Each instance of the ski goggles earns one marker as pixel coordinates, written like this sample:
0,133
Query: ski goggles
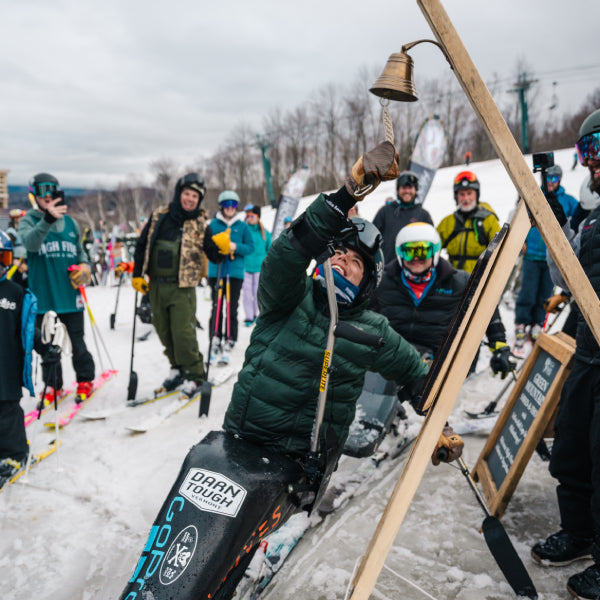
588,147
408,180
41,190
229,204
553,179
6,257
468,175
411,250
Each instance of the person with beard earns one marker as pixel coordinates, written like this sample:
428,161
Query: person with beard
575,460
169,252
392,217
420,293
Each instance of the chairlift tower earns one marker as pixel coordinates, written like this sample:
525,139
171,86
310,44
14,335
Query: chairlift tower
521,87
4,189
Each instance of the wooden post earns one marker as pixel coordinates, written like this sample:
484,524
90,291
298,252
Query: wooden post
451,376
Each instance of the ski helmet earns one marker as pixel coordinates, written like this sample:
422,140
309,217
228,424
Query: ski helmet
364,238
192,181
589,200
6,251
407,178
588,144
416,233
43,184
466,180
229,197
555,170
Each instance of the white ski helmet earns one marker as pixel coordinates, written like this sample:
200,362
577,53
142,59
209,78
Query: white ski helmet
589,200
419,232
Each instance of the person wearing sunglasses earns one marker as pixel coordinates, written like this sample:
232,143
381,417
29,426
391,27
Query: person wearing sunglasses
57,267
391,218
420,293
253,261
575,460
536,283
17,323
229,225
168,267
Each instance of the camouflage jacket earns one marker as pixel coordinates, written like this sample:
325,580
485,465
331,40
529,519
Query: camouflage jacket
191,253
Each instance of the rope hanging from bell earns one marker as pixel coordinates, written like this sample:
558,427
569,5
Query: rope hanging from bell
387,120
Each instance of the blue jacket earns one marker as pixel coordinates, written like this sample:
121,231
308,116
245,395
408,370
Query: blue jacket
253,261
536,248
28,314
240,234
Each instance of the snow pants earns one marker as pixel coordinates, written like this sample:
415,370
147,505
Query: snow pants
575,458
235,288
536,286
83,363
249,290
13,440
174,318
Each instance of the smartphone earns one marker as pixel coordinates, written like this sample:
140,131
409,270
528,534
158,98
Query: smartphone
59,194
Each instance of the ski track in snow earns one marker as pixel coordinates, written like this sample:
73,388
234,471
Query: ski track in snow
74,528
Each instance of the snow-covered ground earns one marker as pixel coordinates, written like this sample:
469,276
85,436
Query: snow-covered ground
75,528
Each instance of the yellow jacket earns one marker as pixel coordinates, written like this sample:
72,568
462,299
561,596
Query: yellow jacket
466,238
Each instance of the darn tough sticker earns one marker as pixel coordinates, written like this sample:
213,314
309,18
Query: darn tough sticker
213,492
179,555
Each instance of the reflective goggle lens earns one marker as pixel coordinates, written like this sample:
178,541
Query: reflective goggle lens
468,175
44,189
588,147
229,204
412,250
553,178
6,257
407,181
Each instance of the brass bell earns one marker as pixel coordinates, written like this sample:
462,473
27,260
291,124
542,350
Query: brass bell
396,79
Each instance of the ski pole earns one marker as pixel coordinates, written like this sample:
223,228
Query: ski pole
206,389
95,326
113,316
228,300
498,542
133,378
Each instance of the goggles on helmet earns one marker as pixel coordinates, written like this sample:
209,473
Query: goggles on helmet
468,175
229,204
553,179
6,257
588,147
362,236
41,190
408,179
411,250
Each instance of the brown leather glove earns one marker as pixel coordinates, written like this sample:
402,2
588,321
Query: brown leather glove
377,165
553,303
80,275
449,447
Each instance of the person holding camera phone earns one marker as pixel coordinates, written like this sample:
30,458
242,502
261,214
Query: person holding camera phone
575,460
57,268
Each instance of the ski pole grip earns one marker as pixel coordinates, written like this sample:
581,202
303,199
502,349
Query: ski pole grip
353,334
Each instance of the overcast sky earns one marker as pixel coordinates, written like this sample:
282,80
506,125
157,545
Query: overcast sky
93,91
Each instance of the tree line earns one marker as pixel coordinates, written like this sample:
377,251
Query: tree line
327,132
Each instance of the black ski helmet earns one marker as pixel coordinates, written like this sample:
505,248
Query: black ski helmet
42,184
408,178
363,237
466,180
193,181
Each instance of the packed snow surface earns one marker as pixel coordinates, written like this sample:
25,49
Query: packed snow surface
74,528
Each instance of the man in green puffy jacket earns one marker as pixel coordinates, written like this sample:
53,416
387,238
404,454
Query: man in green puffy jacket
275,398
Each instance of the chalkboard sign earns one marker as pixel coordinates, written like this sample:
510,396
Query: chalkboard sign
525,418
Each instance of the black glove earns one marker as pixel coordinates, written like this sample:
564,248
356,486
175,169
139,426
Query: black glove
413,393
557,209
500,361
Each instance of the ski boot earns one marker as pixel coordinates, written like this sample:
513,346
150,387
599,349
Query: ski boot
191,388
562,548
534,332
225,357
9,467
216,350
48,398
173,380
84,391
